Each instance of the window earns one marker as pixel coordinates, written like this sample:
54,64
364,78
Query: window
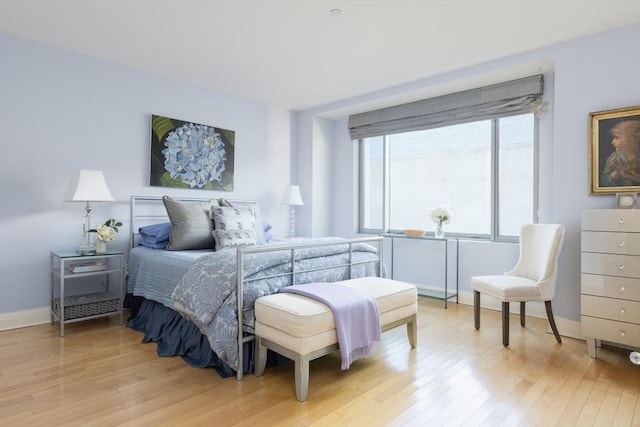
482,171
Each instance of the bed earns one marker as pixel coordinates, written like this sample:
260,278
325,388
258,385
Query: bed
194,295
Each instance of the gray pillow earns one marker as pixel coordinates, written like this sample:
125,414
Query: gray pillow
224,202
190,224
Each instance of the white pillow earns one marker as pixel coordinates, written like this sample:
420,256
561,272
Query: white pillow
258,225
233,238
233,218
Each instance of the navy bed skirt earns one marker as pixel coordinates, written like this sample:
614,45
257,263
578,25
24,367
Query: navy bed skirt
177,336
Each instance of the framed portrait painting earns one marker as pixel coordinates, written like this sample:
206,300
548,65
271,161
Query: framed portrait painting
191,155
615,151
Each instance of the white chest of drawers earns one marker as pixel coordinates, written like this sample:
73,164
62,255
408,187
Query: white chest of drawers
610,279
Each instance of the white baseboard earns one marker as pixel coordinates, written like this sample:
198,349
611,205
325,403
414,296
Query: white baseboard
24,318
568,328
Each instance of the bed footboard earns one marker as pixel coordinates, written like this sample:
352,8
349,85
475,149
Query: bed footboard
292,249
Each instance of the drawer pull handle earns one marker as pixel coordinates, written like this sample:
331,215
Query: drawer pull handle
621,244
621,312
621,267
622,333
622,289
621,220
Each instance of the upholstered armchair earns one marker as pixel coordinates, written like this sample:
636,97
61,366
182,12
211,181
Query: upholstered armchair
532,279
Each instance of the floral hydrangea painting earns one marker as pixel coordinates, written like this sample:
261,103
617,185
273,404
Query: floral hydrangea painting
191,155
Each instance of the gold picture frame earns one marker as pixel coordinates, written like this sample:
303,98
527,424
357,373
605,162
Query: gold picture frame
614,161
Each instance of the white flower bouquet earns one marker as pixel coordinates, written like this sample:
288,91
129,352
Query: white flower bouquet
440,215
107,231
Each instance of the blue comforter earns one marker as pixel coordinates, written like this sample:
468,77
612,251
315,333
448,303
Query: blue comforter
153,274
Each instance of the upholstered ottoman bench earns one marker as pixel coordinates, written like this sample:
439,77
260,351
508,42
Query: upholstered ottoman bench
303,329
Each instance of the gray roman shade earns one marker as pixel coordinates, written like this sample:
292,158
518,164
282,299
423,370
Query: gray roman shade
489,102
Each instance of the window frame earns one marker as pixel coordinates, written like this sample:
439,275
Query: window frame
495,185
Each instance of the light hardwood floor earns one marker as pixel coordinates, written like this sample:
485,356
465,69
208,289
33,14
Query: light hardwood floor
100,374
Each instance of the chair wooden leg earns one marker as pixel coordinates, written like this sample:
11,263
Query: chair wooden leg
552,322
476,309
505,323
522,313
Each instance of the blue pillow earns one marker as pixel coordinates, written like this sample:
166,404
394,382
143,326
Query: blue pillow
155,236
267,234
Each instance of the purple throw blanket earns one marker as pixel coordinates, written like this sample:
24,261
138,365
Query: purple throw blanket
355,314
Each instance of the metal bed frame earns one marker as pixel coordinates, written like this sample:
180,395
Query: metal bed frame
156,212
241,253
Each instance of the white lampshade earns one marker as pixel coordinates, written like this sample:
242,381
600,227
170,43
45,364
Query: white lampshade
88,186
292,196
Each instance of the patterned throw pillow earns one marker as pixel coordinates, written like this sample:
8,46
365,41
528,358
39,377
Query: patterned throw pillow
234,218
258,225
233,238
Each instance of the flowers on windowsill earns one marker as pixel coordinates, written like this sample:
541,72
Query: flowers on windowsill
440,215
107,231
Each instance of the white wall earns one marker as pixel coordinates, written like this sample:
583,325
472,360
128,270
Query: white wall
594,73
323,181
60,111
345,178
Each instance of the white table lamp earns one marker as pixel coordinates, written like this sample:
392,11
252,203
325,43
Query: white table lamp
88,186
292,198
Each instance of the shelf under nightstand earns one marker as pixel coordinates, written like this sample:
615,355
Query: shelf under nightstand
108,268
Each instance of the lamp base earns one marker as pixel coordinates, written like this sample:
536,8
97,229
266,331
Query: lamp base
292,224
87,249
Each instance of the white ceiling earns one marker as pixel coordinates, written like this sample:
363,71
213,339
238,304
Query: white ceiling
295,53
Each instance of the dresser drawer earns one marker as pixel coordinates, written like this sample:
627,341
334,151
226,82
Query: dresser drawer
609,330
610,286
611,308
611,243
611,265
611,220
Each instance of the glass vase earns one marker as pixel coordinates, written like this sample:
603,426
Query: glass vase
439,234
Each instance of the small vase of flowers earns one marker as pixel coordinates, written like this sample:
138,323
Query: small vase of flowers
107,231
440,216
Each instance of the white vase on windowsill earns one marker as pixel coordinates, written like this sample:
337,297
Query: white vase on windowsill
439,234
101,246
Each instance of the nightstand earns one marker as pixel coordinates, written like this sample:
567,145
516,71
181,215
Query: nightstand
103,272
